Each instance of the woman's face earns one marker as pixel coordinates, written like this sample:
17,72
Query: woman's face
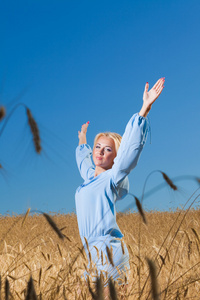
104,153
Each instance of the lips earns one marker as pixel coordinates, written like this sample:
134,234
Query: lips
99,157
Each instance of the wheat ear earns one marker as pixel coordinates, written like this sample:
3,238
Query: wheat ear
2,113
140,209
112,290
110,256
7,290
99,289
53,225
31,294
35,131
154,283
169,181
32,123
26,216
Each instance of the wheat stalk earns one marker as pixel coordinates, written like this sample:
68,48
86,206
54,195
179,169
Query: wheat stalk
40,276
154,283
99,289
26,216
35,131
0,286
59,250
110,256
122,247
97,251
54,226
2,113
31,294
112,290
169,181
196,234
64,293
140,209
7,290
88,249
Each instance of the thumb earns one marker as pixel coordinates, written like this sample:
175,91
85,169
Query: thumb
146,87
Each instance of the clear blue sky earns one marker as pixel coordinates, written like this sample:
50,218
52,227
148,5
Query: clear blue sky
74,61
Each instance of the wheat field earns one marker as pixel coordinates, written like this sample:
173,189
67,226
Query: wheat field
41,256
31,248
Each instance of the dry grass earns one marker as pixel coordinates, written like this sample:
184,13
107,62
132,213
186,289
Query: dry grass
30,247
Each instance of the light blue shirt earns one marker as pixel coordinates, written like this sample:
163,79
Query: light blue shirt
95,198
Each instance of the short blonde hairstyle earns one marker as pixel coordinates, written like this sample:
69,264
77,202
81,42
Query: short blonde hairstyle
113,135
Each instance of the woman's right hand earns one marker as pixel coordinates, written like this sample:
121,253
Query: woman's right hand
82,133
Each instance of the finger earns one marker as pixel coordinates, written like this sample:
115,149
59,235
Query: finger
159,90
160,85
146,87
86,125
159,82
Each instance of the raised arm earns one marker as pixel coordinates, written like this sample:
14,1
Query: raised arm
83,154
82,134
149,97
135,135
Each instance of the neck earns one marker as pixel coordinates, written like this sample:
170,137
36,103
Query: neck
98,170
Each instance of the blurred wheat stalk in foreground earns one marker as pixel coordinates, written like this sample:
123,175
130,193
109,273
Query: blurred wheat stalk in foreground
31,123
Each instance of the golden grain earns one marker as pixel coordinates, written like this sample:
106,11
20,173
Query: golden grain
110,255
25,252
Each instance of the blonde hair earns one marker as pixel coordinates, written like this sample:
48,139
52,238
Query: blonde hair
113,135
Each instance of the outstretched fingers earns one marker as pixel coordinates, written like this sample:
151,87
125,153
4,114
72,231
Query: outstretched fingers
84,127
159,83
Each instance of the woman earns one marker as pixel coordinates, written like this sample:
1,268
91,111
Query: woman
106,181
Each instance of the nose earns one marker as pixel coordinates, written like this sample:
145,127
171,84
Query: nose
101,151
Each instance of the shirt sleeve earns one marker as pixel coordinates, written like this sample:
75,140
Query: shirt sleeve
84,161
121,190
132,143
